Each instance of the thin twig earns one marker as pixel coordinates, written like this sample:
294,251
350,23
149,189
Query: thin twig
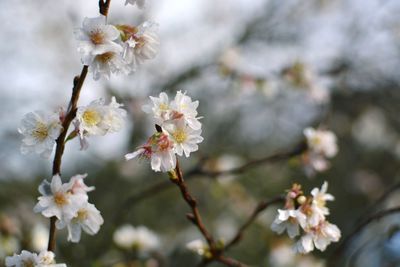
261,206
71,113
199,171
104,5
60,144
230,262
379,201
298,150
346,241
195,216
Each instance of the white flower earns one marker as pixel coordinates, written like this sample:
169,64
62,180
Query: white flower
100,119
78,186
57,200
320,237
46,257
184,106
96,38
88,219
159,149
289,220
198,246
139,3
26,258
142,44
90,118
184,137
305,244
140,238
40,130
29,259
160,108
108,62
114,116
321,142
318,207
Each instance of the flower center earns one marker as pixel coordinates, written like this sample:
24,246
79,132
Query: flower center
179,136
82,215
28,263
60,199
163,107
97,37
316,140
91,117
106,57
320,202
40,132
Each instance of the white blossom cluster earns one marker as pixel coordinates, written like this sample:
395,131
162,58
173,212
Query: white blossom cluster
68,202
116,49
180,131
26,258
140,238
307,213
41,129
322,144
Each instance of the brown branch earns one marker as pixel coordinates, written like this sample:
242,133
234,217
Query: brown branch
104,5
230,262
261,206
199,171
298,150
60,143
71,113
195,216
346,241
379,201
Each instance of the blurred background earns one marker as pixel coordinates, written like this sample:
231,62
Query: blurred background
263,70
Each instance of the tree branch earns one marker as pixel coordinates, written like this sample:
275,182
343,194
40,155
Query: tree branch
261,206
346,241
104,6
195,216
60,144
199,170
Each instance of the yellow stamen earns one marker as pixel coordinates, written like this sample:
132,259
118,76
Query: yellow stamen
97,37
163,107
106,57
82,215
41,132
60,199
179,136
28,263
91,117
